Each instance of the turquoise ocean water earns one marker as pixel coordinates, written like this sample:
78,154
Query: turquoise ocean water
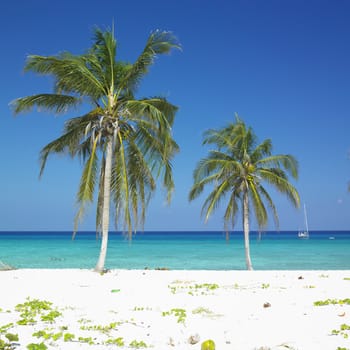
178,250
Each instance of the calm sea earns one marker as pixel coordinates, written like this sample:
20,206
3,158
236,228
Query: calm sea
178,250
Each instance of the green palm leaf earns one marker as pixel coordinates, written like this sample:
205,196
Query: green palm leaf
159,42
87,184
45,102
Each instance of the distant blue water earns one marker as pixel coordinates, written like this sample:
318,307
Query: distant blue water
178,250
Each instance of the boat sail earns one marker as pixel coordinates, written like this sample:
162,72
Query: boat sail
304,234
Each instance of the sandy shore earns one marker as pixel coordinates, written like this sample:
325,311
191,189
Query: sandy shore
176,309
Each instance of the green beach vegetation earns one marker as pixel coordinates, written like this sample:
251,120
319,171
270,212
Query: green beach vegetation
6,344
236,169
179,313
48,331
126,143
193,289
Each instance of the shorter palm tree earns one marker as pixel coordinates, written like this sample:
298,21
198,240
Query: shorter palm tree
237,170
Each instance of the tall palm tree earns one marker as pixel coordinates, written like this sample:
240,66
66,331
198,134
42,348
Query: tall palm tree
237,169
125,143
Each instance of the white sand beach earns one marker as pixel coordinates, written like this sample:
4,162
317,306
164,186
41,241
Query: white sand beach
177,309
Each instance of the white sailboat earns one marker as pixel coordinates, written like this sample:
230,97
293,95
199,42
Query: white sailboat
304,234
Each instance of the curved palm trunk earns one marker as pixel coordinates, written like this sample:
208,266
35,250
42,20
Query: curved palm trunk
106,206
246,231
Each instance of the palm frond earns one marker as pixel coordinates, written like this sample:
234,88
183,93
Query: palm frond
217,137
72,141
157,111
212,202
271,205
141,182
282,185
216,162
262,150
88,179
87,185
50,102
258,205
72,73
66,143
231,210
159,42
286,161
104,48
158,149
162,104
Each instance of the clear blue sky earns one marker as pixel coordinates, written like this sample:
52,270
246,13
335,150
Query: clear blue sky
282,65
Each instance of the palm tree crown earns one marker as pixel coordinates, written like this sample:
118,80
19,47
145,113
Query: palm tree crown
237,169
126,143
